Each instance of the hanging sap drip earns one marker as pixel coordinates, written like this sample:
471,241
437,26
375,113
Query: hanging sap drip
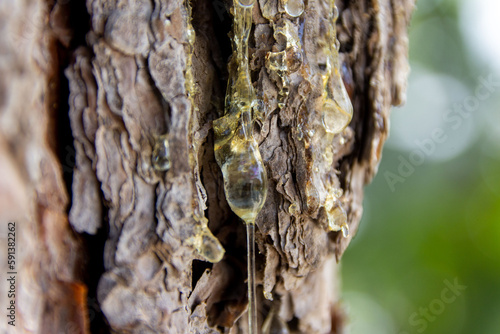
236,151
205,243
245,180
337,107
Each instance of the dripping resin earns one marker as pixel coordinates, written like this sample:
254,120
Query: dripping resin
236,151
337,113
337,106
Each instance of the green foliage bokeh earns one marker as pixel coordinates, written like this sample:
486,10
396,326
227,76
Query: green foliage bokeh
439,224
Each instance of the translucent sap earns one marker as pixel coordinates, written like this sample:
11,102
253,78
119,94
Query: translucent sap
160,158
236,152
337,106
245,181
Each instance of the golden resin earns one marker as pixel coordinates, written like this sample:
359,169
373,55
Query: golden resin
336,115
326,129
205,243
236,151
337,107
337,217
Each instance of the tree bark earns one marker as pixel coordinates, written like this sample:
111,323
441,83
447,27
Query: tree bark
107,242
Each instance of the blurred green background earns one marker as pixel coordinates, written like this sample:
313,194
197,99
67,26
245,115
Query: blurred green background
426,258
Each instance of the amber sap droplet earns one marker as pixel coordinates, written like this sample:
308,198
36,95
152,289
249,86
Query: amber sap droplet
245,180
160,158
337,106
268,295
209,246
335,118
294,8
337,219
293,209
205,243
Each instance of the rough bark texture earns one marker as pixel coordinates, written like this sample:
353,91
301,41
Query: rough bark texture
130,241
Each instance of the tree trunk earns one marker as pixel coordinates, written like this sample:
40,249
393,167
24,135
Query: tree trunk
108,165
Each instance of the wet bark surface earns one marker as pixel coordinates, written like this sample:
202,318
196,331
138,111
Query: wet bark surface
109,243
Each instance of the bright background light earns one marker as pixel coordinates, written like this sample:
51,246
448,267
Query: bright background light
480,25
443,221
